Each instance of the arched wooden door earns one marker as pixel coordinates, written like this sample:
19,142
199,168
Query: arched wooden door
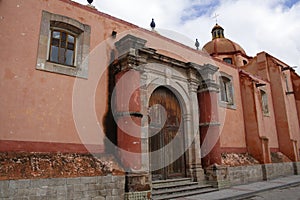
166,136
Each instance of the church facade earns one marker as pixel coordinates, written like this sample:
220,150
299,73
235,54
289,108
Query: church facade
77,80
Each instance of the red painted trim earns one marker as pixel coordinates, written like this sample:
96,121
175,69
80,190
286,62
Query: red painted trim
233,150
28,146
274,150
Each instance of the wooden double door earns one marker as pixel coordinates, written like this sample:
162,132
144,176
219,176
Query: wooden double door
166,136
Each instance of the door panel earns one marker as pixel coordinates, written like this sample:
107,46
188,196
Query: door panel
165,128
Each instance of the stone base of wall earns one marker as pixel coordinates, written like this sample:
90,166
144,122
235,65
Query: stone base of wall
138,195
245,174
254,173
297,167
98,188
217,176
275,170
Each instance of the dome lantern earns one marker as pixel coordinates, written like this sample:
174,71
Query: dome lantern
217,32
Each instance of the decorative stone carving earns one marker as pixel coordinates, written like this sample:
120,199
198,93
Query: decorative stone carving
208,83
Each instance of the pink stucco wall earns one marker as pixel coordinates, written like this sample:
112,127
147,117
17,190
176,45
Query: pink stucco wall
44,110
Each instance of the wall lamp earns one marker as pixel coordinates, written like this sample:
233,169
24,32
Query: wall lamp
259,84
114,34
287,68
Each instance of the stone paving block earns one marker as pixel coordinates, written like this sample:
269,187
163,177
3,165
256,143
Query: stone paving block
61,190
92,186
59,181
90,193
109,192
118,198
36,198
41,191
22,192
33,191
78,195
107,179
61,197
98,198
83,198
4,189
19,184
117,178
36,183
51,197
117,192
20,198
102,192
88,180
99,179
51,191
110,185
80,187
72,181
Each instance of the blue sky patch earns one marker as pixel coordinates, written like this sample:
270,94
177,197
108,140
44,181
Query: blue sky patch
290,3
199,10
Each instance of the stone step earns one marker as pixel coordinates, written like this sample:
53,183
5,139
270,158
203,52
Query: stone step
172,190
183,194
169,181
175,188
173,185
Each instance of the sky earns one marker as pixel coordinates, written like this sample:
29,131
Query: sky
272,26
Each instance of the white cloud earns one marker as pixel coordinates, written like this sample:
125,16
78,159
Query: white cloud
271,25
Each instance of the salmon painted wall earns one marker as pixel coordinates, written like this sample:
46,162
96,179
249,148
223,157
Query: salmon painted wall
259,67
232,119
36,107
296,89
291,107
284,108
268,120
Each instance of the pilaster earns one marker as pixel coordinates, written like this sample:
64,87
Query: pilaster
209,117
128,112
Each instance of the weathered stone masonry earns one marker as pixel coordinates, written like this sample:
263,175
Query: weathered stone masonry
97,188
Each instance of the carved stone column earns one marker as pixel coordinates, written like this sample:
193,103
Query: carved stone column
194,159
209,117
127,110
216,174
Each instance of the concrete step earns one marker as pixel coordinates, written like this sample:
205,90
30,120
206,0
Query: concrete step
175,188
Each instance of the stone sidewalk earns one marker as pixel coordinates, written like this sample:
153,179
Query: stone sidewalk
243,191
